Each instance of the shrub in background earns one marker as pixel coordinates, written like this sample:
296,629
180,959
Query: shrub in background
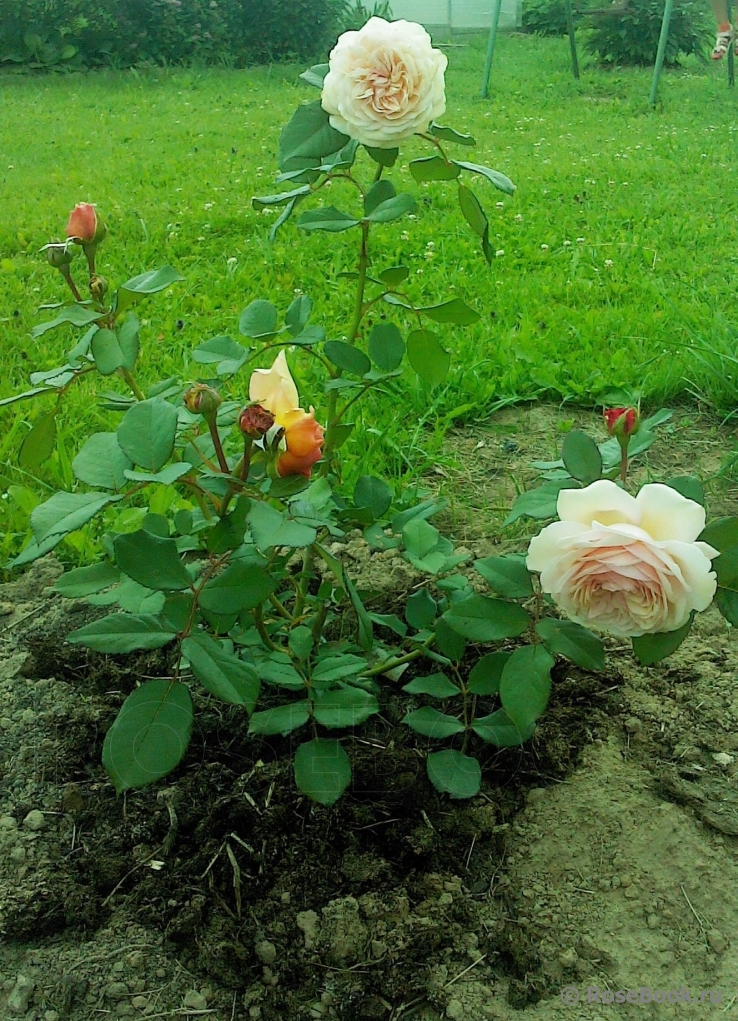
122,33
546,17
630,34
356,14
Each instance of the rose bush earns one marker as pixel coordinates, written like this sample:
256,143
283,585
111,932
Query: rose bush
627,565
385,83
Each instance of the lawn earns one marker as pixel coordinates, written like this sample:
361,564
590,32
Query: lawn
615,252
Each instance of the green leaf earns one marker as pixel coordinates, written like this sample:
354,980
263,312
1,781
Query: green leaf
270,528
242,586
435,685
392,209
380,191
498,180
365,636
394,275
485,675
526,684
421,609
308,136
391,621
39,443
480,619
433,168
101,462
277,669
84,581
169,474
227,354
386,346
281,198
151,560
327,218
427,357
24,396
499,729
123,632
146,434
76,315
259,319
322,770
374,494
107,352
689,487
566,638
220,672
472,210
384,157
581,457
447,134
650,649
298,314
453,773
151,282
448,642
432,723
66,512
345,707
347,357
301,642
454,311
539,503
315,75
721,534
281,720
508,576
150,734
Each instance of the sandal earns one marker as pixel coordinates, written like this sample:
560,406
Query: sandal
722,44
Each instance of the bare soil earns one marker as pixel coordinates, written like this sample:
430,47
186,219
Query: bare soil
601,855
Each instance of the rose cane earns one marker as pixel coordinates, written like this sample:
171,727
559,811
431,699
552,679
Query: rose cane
59,256
204,400
622,423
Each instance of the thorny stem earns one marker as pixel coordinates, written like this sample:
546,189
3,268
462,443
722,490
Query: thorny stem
213,427
280,609
128,377
308,562
259,621
317,628
67,274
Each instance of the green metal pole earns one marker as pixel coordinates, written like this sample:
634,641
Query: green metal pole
731,61
661,52
491,46
572,39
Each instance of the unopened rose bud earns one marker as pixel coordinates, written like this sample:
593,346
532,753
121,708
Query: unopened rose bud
98,287
58,255
621,422
255,421
85,226
202,399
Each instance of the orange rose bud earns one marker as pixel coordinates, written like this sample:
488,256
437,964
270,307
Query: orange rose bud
255,421
304,439
85,225
621,422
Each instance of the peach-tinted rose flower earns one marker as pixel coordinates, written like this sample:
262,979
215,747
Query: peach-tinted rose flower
85,225
626,565
304,439
274,389
385,83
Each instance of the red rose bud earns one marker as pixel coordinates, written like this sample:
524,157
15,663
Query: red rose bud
304,439
201,399
85,226
621,422
255,421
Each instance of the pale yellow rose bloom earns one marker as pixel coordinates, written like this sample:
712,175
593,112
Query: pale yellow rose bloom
274,389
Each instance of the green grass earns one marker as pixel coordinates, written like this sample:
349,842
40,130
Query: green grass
618,245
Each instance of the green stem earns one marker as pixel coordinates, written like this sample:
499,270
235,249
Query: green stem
128,377
390,664
317,628
67,274
623,458
280,609
308,562
259,621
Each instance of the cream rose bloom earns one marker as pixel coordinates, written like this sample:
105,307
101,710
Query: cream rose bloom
626,565
385,83
274,388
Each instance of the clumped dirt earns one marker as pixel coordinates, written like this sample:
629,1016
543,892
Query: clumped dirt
602,854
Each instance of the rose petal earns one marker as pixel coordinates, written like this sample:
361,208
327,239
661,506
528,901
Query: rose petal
601,501
666,514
